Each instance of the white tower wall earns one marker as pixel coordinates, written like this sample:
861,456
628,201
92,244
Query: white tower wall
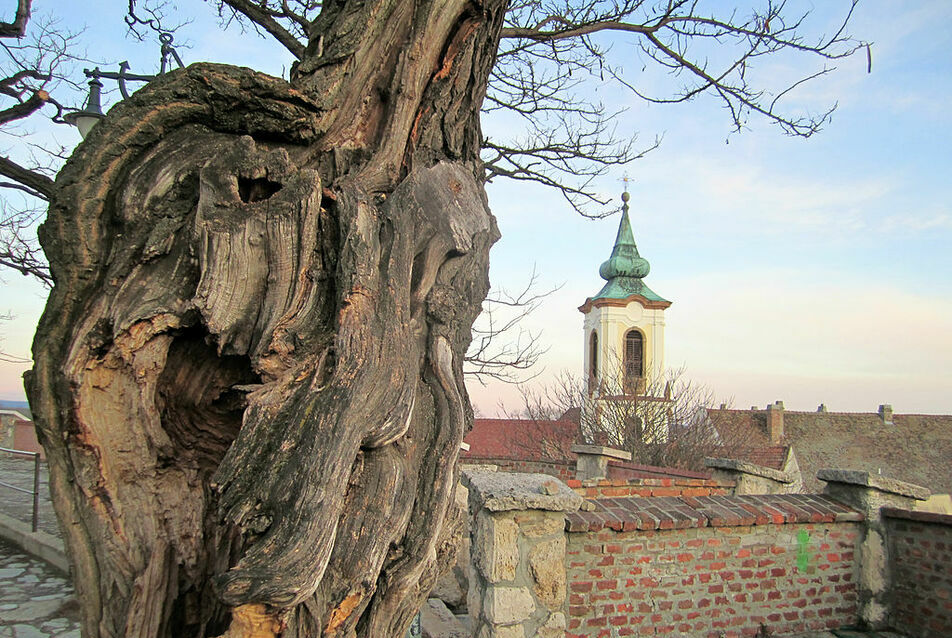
612,323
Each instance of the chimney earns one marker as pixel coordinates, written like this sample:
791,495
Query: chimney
885,413
775,422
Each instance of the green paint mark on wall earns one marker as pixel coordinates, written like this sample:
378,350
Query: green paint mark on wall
803,543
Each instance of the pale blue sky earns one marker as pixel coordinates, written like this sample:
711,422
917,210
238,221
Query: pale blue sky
811,271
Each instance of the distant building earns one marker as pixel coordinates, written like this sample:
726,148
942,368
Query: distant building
916,448
17,431
753,436
623,344
623,332
624,323
549,447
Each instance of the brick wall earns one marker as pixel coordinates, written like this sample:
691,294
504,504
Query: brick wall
627,470
24,438
711,566
920,566
644,487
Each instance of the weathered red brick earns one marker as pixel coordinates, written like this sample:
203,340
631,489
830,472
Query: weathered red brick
756,587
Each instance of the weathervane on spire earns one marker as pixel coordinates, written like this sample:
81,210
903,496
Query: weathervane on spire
625,196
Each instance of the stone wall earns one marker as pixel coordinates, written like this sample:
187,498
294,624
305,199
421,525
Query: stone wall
562,470
517,588
871,494
671,556
566,470
920,564
711,566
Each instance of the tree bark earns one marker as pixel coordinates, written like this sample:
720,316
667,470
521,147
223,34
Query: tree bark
248,375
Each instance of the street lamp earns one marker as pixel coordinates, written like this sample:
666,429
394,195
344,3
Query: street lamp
85,119
91,113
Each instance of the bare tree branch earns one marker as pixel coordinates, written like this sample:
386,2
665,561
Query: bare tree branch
26,108
19,249
37,184
17,28
502,349
665,423
5,357
263,15
34,62
544,158
153,18
537,35
552,51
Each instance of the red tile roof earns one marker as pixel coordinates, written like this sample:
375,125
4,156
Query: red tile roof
538,440
522,439
772,456
744,437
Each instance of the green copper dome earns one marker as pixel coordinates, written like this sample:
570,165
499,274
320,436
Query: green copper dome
625,260
625,269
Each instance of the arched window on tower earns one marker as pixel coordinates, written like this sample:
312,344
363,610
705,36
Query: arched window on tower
634,361
593,362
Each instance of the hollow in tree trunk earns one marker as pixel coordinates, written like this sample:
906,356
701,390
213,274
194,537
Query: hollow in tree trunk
248,375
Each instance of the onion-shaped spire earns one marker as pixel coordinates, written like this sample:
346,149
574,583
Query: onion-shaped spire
625,260
625,270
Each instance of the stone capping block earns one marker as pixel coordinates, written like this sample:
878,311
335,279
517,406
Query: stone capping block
600,450
875,481
669,512
737,465
507,491
439,622
481,467
919,517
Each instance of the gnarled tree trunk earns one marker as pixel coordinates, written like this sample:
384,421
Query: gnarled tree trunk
248,375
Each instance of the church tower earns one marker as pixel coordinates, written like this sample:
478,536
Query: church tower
624,324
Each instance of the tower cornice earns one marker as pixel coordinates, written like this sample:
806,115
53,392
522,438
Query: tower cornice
650,304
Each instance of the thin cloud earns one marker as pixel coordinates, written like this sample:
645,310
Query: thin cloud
918,222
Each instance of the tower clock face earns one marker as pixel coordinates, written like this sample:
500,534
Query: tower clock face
634,311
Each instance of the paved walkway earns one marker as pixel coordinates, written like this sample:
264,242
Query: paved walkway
36,601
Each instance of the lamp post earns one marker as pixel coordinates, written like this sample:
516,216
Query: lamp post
91,113
86,118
